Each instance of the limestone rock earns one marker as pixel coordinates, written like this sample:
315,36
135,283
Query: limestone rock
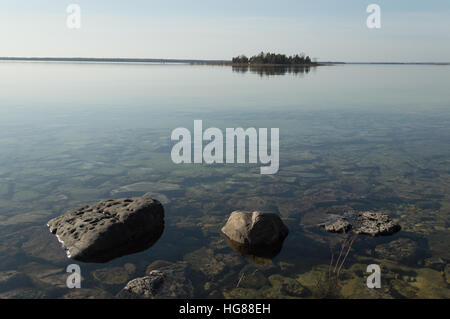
339,226
166,283
375,224
109,229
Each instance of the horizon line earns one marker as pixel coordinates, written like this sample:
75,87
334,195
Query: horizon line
170,60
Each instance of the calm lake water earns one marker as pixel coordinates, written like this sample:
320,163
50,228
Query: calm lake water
359,137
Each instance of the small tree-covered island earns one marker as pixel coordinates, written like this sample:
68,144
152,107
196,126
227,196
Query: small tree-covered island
273,59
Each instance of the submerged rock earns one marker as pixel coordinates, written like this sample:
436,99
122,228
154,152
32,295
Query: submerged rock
435,262
40,244
431,284
403,250
163,199
252,280
254,202
165,283
274,287
25,293
114,275
109,229
48,279
375,224
447,274
340,225
145,187
157,265
366,223
13,279
255,229
87,293
284,287
243,293
212,265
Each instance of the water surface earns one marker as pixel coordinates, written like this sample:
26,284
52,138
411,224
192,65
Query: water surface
351,137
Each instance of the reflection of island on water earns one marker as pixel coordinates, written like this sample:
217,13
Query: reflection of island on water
257,254
272,70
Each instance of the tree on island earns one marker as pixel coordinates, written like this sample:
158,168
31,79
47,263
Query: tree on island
273,59
242,59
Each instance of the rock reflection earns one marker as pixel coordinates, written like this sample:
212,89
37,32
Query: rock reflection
257,254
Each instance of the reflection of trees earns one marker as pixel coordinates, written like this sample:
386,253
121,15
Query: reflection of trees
272,70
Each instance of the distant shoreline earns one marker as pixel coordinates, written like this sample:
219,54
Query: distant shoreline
111,60
204,62
160,61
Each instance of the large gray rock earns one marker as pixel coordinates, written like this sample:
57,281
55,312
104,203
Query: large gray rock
168,282
255,229
375,224
109,229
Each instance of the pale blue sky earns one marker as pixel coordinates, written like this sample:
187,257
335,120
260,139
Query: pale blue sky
209,29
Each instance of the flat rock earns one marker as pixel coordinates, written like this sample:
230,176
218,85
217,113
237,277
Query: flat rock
375,224
340,226
165,283
255,229
322,217
109,229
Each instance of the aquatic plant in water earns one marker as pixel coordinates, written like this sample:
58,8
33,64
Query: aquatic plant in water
328,284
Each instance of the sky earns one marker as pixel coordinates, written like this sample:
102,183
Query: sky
328,30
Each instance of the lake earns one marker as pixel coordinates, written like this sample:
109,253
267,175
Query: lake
352,137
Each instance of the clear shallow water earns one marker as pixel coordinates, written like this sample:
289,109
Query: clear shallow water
361,137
